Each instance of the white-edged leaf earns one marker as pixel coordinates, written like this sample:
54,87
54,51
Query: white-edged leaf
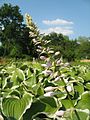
14,107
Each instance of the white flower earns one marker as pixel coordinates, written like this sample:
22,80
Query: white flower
66,64
57,78
49,94
43,65
63,75
50,88
1,118
30,28
57,53
49,64
42,57
47,72
38,50
39,47
34,40
58,62
61,64
60,113
69,88
50,52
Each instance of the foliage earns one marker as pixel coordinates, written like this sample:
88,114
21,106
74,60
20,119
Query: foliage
34,90
83,50
70,49
48,89
10,24
44,89
14,34
18,40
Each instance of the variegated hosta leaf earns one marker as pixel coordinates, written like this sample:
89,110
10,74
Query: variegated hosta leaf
84,102
46,105
87,76
18,76
13,107
69,114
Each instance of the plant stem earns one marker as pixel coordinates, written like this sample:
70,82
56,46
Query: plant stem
70,99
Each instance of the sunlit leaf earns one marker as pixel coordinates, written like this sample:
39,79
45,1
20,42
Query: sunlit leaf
81,114
14,107
84,102
87,76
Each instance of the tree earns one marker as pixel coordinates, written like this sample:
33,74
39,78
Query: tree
14,34
83,50
63,44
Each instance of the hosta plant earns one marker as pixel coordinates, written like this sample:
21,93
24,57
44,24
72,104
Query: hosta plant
46,88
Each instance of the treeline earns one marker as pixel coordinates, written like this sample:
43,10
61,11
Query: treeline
16,39
70,49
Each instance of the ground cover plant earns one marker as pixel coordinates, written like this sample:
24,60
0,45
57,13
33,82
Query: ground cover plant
47,88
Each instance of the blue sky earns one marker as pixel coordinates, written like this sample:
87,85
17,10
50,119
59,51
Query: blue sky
70,17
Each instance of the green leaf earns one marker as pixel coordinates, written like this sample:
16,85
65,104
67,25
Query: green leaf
87,86
47,105
31,81
29,73
66,103
23,67
17,76
20,74
82,114
79,88
11,69
14,107
87,76
84,102
37,65
38,89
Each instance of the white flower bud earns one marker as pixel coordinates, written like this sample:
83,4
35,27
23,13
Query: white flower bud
63,75
57,53
30,28
1,118
47,72
58,62
39,47
42,57
69,88
43,65
34,40
49,64
38,50
50,52
57,78
61,64
66,64
60,113
50,88
49,94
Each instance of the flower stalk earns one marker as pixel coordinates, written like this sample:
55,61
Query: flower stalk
69,97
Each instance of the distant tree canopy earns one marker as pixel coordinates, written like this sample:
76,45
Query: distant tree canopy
70,49
16,38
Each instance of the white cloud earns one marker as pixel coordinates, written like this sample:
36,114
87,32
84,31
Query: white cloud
57,22
63,30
